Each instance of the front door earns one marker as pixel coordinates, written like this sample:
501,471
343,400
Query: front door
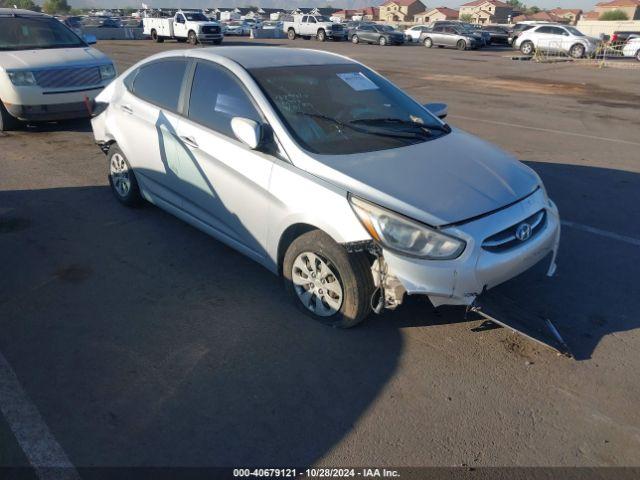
224,183
180,26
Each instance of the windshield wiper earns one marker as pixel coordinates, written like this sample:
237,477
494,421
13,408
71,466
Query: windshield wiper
385,133
393,122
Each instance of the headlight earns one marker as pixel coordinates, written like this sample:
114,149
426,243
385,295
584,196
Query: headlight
107,71
22,78
404,235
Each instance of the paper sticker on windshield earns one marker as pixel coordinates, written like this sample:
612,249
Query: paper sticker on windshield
358,81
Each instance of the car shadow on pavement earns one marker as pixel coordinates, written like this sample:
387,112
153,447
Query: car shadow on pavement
80,125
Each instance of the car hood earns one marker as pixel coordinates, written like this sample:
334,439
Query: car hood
442,181
51,57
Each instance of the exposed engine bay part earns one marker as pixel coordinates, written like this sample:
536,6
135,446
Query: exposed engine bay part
501,310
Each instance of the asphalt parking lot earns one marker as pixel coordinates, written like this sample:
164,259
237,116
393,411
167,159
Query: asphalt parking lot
142,342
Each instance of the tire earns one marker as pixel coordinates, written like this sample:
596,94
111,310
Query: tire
121,174
350,273
382,41
355,39
577,51
192,38
527,48
7,121
155,37
638,55
291,34
461,45
321,36
428,42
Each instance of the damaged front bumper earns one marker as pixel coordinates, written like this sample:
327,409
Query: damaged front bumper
479,268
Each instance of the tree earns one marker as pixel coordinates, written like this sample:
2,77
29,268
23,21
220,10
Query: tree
466,17
24,4
516,5
614,15
534,9
55,6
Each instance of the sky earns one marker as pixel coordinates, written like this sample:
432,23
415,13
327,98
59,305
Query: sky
545,4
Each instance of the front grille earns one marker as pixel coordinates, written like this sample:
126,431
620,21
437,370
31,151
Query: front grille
336,27
508,238
68,77
210,29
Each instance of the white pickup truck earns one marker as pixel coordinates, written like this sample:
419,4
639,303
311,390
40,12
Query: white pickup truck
317,26
185,25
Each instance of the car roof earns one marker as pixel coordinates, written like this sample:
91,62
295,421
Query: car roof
11,12
261,57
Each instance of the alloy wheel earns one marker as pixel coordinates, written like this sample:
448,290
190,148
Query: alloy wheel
119,172
317,284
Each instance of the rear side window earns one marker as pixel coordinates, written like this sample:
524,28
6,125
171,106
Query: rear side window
216,97
160,83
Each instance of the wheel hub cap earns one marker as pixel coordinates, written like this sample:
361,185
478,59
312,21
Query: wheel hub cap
316,284
120,175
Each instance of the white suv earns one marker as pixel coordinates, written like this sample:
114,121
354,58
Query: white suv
47,72
556,38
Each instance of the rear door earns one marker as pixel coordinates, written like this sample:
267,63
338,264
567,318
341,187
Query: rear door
450,37
224,183
437,35
147,112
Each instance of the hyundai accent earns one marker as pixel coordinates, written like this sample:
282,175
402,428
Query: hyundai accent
327,174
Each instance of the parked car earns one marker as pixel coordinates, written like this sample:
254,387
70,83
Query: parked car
523,27
469,30
556,39
497,35
319,27
413,34
620,37
47,72
237,27
449,36
327,174
186,25
74,23
632,48
272,25
380,34
351,26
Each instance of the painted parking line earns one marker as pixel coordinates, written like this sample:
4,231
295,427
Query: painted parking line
547,130
602,233
38,444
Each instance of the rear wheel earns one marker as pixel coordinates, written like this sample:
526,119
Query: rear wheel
155,37
461,45
291,34
321,35
192,38
527,48
577,51
122,179
355,39
382,41
638,55
326,282
428,42
7,121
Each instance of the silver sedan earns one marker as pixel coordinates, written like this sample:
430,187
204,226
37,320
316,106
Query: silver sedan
327,174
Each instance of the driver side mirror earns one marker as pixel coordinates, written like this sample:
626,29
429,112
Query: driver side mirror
90,39
247,131
440,110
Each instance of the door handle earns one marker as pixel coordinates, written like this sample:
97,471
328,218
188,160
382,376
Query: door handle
126,109
189,141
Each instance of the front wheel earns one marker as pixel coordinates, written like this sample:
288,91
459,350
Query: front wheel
355,39
192,38
321,36
527,48
577,51
382,41
638,55
326,282
291,34
428,42
461,45
122,179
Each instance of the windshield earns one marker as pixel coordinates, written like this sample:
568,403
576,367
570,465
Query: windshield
574,31
322,18
344,109
196,17
386,28
25,33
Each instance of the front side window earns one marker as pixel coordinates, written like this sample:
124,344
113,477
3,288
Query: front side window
180,19
216,97
312,20
28,33
160,83
574,31
346,108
